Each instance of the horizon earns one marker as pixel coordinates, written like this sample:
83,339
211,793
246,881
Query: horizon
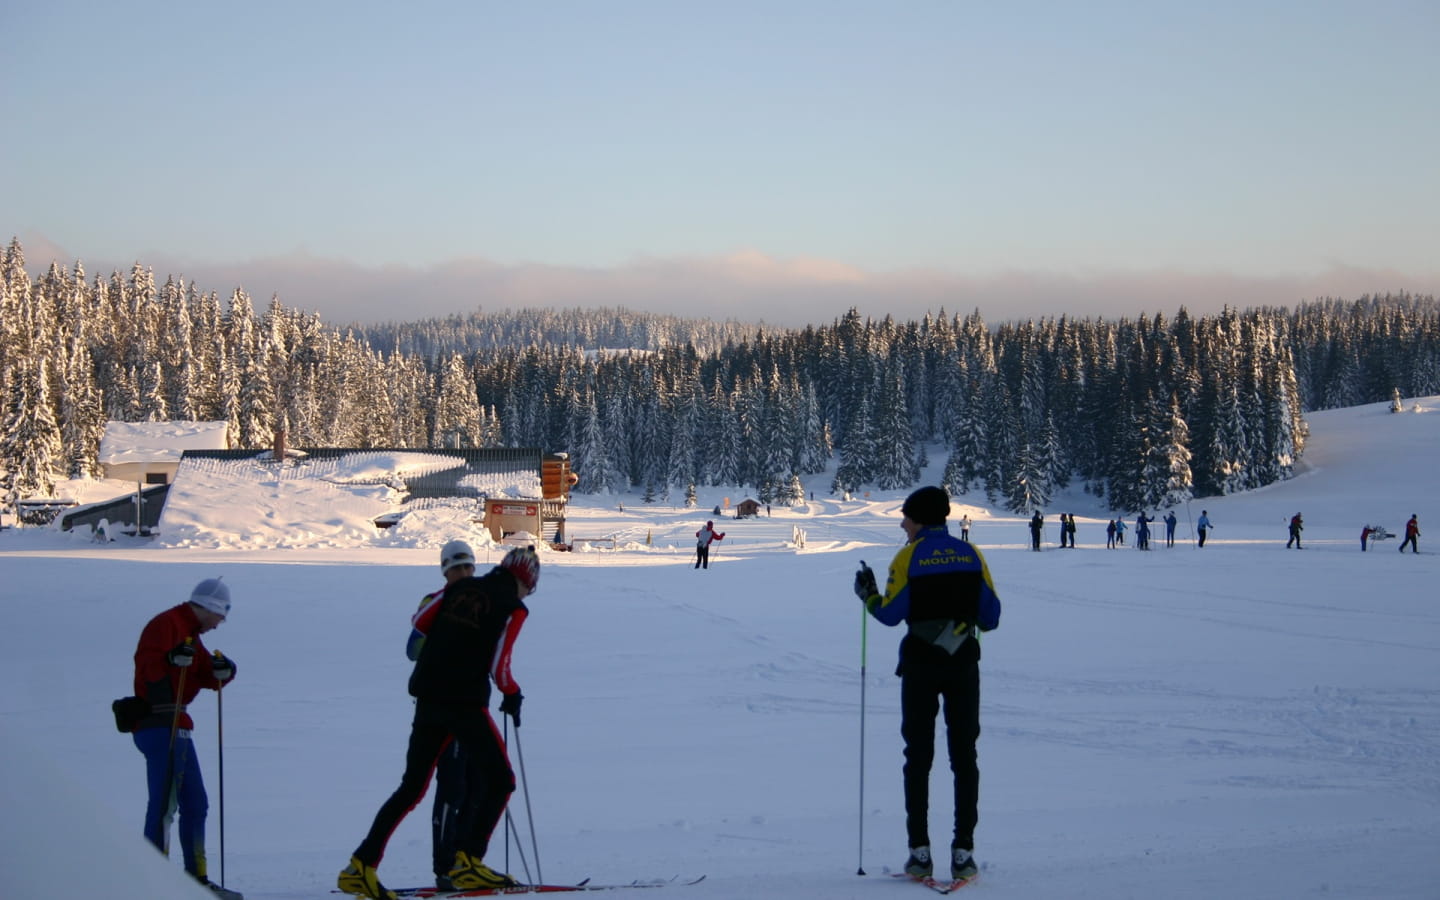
765,165
1252,295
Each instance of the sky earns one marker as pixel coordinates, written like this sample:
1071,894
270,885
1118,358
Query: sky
752,160
1242,721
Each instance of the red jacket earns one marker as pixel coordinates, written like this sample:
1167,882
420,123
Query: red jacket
156,680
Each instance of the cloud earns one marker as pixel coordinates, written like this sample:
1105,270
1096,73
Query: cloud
748,286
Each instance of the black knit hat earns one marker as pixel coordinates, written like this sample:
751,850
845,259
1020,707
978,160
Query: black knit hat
927,506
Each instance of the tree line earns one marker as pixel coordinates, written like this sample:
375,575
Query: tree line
1142,412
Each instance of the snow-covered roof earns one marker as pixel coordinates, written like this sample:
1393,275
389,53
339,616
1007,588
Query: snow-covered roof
331,499
145,442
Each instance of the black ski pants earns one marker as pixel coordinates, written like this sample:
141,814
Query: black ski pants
702,556
456,806
435,725
929,676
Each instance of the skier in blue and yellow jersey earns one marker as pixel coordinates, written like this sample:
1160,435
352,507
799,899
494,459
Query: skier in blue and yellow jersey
940,587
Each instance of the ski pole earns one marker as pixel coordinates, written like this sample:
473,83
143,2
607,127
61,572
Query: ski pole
864,628
220,748
519,845
505,725
525,785
171,787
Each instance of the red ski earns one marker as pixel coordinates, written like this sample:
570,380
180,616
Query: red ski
938,885
431,893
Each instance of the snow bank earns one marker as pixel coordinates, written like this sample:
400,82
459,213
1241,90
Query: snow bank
59,842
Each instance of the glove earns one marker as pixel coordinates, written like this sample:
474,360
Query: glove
223,667
865,583
183,655
510,706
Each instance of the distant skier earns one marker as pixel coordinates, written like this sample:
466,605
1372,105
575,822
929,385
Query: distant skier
703,538
1037,523
1412,532
1365,536
1142,531
1297,525
1120,532
965,528
1069,526
1203,526
1110,535
1170,521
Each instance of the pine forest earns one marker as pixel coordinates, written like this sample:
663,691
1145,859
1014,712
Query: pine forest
1143,412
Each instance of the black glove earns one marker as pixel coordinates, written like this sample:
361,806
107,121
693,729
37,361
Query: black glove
223,668
183,655
865,583
510,706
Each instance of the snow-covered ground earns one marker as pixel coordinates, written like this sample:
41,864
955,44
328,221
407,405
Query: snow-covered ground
1242,721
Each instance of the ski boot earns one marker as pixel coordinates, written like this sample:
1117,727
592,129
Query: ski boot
363,881
219,892
962,864
471,874
919,865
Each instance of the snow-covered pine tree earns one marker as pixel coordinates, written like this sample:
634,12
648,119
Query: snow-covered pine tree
457,407
894,442
1173,450
30,439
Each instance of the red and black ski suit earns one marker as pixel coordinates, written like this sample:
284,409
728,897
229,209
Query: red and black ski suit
469,638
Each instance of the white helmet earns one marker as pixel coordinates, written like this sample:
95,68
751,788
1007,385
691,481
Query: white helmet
456,553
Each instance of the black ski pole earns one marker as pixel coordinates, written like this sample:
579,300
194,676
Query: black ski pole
505,725
525,785
220,749
864,627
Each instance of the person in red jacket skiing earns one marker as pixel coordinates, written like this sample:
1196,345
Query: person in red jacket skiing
1412,535
171,667
703,539
469,636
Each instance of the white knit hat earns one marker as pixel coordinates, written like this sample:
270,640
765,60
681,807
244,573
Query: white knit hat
212,594
456,553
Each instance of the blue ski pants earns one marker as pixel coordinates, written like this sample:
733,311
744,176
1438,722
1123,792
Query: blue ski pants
185,792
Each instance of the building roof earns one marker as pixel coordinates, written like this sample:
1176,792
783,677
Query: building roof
149,442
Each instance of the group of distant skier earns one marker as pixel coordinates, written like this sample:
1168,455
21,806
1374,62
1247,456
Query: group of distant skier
1412,535
1369,532
1115,530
